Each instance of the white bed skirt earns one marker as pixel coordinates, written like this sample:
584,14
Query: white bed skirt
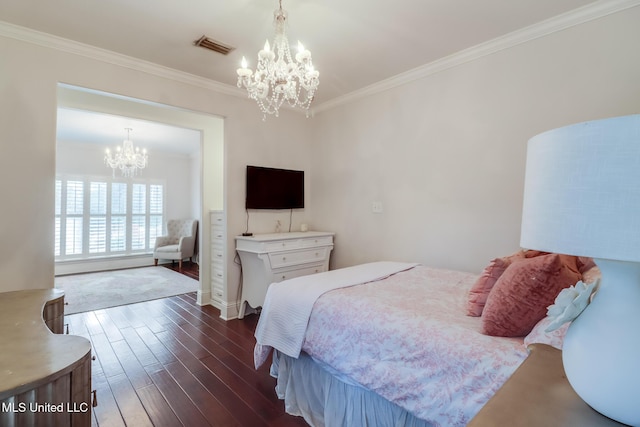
310,391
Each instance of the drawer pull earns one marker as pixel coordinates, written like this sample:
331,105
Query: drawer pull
284,277
284,258
317,254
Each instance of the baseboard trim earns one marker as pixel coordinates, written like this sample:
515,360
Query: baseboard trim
204,298
228,310
63,268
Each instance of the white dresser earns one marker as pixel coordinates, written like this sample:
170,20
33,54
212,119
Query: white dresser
268,258
218,243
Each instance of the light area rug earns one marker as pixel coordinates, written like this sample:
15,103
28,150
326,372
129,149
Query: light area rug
95,291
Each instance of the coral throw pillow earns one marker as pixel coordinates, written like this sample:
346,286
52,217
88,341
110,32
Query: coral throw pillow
520,297
479,292
585,264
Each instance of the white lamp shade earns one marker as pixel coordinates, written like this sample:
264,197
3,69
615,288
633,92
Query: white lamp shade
582,197
582,190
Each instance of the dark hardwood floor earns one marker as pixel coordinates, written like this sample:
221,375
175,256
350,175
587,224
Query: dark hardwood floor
170,362
190,269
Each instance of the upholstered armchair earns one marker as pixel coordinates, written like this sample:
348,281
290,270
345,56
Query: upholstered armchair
179,243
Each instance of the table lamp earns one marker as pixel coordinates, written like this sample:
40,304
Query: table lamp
582,197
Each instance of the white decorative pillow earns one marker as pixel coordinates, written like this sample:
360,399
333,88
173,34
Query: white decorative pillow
539,336
591,274
555,338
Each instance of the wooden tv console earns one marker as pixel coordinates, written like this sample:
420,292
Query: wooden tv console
45,377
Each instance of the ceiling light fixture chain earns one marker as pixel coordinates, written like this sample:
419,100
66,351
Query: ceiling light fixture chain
127,158
278,77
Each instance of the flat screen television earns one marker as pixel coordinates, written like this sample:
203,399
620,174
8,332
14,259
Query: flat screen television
270,188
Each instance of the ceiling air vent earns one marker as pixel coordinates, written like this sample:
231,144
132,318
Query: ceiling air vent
213,45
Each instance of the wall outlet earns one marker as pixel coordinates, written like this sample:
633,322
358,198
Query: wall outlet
376,207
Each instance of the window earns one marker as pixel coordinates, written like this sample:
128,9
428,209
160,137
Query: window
101,217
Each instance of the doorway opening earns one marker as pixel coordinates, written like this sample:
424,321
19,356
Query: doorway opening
184,174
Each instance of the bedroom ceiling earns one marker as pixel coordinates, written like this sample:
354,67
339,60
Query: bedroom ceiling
354,43
108,131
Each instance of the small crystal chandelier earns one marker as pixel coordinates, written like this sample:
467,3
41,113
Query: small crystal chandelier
278,77
126,158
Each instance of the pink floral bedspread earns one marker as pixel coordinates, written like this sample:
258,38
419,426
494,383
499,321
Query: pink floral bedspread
408,339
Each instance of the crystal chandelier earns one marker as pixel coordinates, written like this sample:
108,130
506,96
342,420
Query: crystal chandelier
126,158
278,77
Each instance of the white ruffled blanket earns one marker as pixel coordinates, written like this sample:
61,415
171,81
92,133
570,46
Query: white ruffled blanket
286,310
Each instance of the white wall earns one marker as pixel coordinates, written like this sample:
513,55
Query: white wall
446,154
286,146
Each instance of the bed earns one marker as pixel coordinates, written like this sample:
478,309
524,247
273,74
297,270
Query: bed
382,344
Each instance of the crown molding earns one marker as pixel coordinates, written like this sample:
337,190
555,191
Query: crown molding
575,17
578,16
65,45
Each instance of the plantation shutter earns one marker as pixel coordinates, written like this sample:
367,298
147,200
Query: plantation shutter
74,211
100,217
118,232
138,217
58,221
156,208
97,217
